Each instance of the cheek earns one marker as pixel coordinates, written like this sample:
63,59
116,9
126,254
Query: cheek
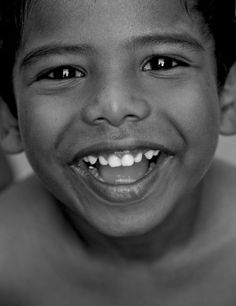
196,114
42,121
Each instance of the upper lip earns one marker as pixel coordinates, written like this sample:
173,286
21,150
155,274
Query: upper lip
111,147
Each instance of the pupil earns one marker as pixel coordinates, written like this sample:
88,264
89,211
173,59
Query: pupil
161,63
62,73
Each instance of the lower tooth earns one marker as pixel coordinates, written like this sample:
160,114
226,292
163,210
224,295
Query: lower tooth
95,173
125,180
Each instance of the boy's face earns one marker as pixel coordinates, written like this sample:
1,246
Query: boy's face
114,80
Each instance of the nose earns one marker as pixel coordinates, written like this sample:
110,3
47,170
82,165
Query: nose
115,103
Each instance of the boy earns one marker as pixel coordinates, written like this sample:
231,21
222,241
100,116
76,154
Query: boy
118,105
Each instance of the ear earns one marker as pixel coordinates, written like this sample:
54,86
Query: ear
9,130
228,104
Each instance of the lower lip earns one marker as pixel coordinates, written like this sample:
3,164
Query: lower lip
122,193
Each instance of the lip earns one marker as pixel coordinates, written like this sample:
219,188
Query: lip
120,194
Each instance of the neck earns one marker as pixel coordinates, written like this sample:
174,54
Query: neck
174,232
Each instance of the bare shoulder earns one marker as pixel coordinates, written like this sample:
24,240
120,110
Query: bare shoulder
24,199
30,222
39,252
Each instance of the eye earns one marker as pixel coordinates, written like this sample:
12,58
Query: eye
63,73
162,63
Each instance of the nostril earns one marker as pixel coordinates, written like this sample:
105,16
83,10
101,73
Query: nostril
99,120
114,119
116,110
132,117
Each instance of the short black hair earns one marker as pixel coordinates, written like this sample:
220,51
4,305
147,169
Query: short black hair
218,16
12,17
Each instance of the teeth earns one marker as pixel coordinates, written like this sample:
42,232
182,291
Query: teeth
127,160
114,161
138,158
92,160
149,154
102,161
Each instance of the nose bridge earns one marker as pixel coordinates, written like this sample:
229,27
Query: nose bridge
115,97
116,100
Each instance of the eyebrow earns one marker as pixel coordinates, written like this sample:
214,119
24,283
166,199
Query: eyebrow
184,40
54,49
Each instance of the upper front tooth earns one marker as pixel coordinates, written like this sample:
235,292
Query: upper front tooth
149,154
114,161
102,161
92,159
156,152
127,160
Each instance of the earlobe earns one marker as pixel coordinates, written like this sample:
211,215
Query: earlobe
9,131
228,104
228,115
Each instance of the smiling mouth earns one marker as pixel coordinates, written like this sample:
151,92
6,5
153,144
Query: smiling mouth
121,167
121,174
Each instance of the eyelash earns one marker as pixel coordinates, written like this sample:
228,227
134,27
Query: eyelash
163,63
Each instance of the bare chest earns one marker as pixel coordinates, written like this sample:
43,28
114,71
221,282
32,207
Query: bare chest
60,285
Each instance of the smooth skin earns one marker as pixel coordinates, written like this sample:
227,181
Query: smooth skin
175,245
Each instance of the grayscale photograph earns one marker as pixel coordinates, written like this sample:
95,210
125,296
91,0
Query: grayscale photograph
117,153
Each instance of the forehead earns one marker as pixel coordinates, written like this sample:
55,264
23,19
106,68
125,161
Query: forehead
111,20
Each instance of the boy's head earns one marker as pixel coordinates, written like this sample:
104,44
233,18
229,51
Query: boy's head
118,101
